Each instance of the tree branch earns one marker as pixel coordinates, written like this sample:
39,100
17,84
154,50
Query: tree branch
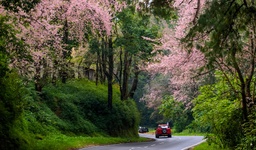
226,76
197,12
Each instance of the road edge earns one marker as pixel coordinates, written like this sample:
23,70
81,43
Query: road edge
191,146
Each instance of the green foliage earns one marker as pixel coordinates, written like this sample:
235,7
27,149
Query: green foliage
83,107
12,101
40,120
159,8
134,27
219,111
10,45
227,31
207,146
163,9
187,132
14,5
248,142
176,112
144,111
13,133
5,29
76,108
3,64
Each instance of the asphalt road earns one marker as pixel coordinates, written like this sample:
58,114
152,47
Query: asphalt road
162,143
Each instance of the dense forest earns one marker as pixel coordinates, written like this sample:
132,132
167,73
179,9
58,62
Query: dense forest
87,68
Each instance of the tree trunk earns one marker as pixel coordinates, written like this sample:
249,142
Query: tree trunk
242,86
65,52
126,73
120,73
110,70
107,56
135,81
97,68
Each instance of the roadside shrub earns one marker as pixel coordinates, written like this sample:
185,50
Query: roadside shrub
123,119
227,134
40,120
218,110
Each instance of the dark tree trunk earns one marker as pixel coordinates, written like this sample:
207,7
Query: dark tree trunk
107,56
103,61
135,82
110,70
97,69
126,73
64,76
38,87
65,52
120,73
242,86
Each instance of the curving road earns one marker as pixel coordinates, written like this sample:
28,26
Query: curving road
163,143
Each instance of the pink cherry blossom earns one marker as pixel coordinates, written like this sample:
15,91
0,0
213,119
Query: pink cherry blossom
181,63
41,28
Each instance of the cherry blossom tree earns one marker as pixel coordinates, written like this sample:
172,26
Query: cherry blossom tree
218,35
44,27
181,63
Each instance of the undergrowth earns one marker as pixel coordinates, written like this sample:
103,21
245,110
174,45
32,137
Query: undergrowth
66,116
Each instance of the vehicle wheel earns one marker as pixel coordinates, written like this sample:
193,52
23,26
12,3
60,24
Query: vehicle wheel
169,135
157,136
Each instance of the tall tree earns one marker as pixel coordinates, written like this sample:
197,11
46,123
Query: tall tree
135,48
228,42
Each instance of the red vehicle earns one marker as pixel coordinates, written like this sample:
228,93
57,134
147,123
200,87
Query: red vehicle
163,130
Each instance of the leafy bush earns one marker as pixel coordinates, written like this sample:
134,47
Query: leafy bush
217,110
123,119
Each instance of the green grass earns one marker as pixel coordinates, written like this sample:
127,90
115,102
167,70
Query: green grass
206,146
63,142
187,133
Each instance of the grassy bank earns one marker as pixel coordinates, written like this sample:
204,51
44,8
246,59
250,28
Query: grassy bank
63,142
206,146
